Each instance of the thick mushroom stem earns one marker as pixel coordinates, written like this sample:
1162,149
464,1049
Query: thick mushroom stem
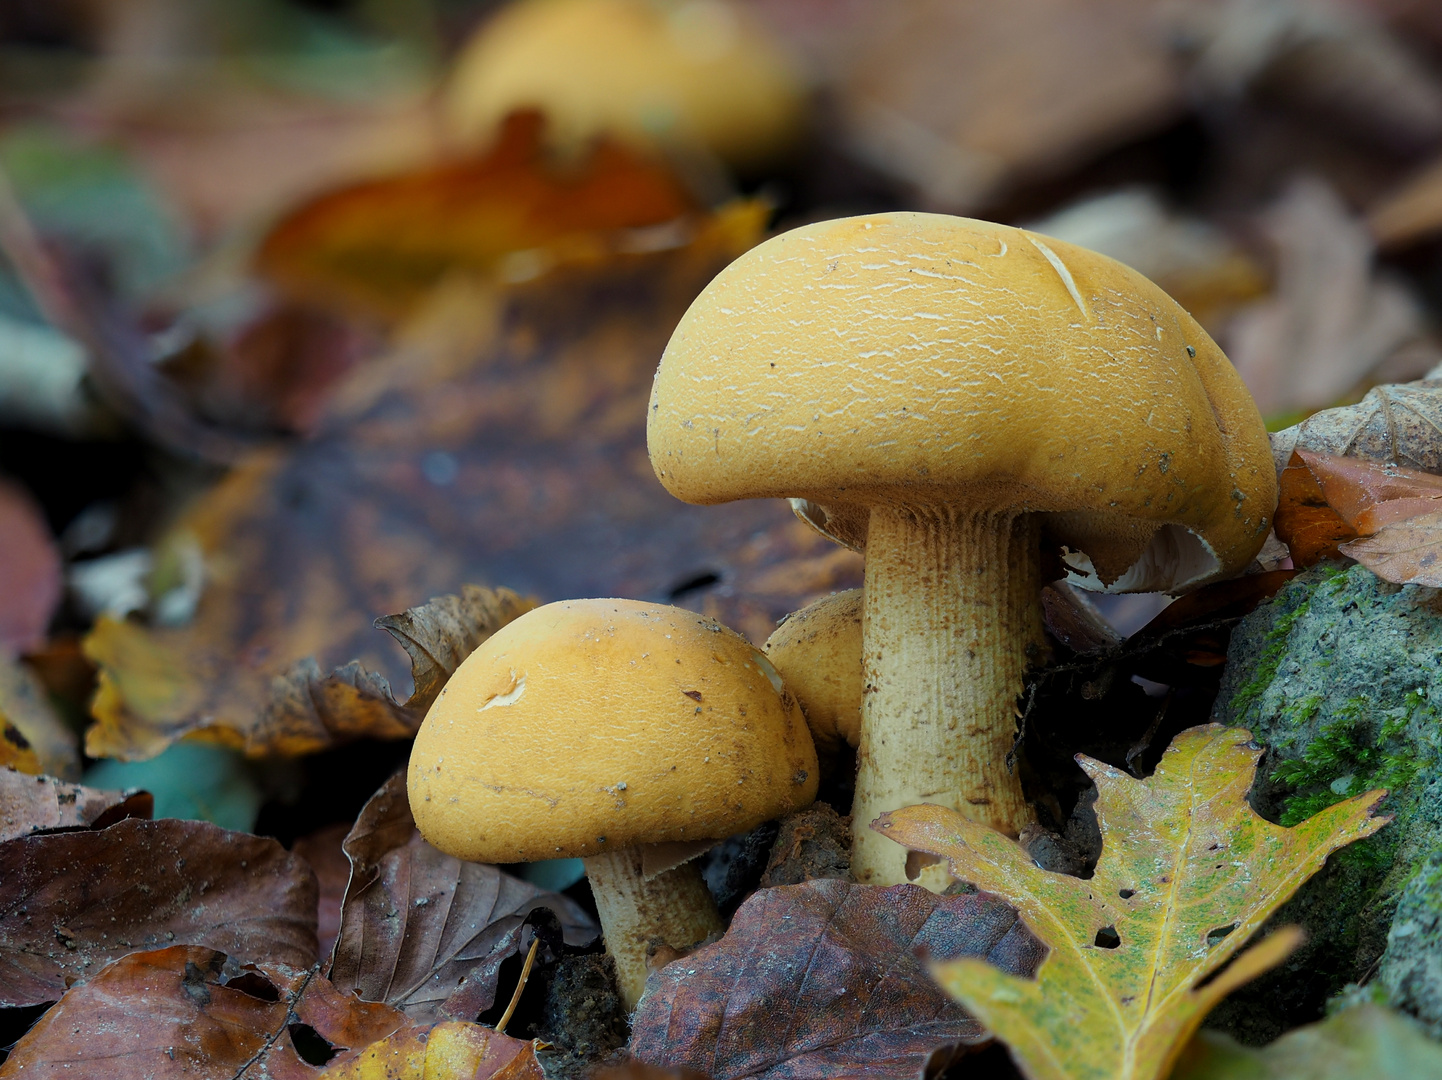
674,907
951,620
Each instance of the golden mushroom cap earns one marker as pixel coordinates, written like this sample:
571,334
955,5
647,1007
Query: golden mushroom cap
689,73
922,359
594,725
817,650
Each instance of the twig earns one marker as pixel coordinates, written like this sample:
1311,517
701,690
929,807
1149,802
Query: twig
520,986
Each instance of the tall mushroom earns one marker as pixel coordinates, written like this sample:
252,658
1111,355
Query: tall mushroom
596,728
942,392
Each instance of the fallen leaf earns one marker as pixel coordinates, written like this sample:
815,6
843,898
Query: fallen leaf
502,442
958,99
380,245
1366,1042
1361,490
36,804
33,737
1311,529
1405,553
1331,319
322,849
29,572
1188,873
70,902
1400,423
824,979
448,1049
192,1011
424,931
440,634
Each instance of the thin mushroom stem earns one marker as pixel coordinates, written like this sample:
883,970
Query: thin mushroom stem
950,623
674,907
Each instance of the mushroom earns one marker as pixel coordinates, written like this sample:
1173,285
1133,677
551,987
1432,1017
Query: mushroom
941,392
701,75
599,729
817,651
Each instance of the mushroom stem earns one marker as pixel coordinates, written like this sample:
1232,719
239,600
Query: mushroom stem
951,620
674,906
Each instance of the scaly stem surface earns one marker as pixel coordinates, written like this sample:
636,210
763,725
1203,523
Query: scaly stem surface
674,907
952,612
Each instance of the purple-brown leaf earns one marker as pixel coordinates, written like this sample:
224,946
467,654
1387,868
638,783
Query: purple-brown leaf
71,902
36,804
424,931
824,979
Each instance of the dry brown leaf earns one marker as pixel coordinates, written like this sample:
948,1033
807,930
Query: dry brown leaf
70,902
1408,552
518,460
1331,319
29,571
33,737
440,634
1400,423
36,804
377,247
446,1050
188,1011
1411,213
322,849
426,932
841,964
958,98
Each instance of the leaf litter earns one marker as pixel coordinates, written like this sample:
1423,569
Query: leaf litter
1188,873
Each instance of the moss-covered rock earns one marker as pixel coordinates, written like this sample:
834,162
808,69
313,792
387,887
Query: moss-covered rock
1340,677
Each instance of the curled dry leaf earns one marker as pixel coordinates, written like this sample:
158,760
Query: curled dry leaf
1406,552
70,902
188,1011
1187,875
440,634
33,737
29,572
824,979
519,459
1400,423
378,246
424,931
448,1049
36,804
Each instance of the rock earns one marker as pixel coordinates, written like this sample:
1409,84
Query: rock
1411,970
1339,677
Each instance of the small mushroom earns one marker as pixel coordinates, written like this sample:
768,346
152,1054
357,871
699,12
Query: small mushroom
597,729
943,393
817,650
694,75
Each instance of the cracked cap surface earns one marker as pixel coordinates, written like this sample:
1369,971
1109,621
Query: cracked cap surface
915,359
584,719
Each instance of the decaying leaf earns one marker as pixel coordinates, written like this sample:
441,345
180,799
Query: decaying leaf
35,804
33,737
29,572
1405,552
1366,1042
448,1049
502,443
1188,873
70,902
440,634
378,246
839,962
322,849
192,1011
1400,423
426,932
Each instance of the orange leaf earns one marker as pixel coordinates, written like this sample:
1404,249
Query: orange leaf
1309,527
381,244
1352,486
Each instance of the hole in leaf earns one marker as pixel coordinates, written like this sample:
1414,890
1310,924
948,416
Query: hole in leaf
313,1047
1217,933
694,583
917,861
253,985
1127,894
1108,938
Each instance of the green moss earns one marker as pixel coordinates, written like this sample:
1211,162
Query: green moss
1274,648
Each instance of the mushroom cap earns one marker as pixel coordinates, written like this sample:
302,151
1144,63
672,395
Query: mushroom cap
702,73
594,725
922,359
817,650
